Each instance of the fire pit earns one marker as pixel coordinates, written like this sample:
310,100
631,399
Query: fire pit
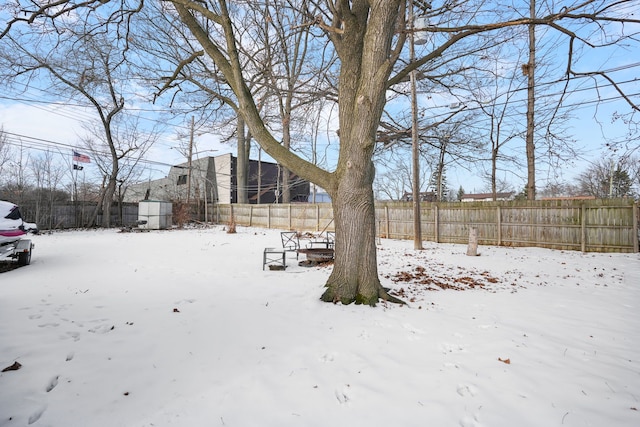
317,254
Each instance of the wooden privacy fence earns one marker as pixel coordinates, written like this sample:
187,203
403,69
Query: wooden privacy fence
296,216
61,215
608,225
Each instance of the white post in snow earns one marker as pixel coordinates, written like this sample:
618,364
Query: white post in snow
472,249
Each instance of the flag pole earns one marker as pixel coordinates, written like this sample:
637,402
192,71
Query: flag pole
74,177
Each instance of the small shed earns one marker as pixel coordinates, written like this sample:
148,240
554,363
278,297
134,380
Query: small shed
154,214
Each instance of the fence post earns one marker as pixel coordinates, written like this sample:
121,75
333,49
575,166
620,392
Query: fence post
386,221
583,227
250,215
317,217
436,224
636,236
499,225
268,216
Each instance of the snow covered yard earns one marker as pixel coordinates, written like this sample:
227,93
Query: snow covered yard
184,328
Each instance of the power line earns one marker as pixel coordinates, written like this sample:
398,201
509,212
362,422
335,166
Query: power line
45,145
88,117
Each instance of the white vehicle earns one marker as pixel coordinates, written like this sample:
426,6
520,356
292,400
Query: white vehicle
12,232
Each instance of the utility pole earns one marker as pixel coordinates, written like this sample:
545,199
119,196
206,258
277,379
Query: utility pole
189,161
259,195
529,71
440,170
415,147
611,181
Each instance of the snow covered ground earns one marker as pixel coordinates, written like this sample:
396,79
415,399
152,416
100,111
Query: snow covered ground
184,328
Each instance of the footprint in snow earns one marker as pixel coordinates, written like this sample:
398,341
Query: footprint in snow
102,329
37,414
52,384
451,366
329,357
470,422
343,395
466,390
49,325
364,335
446,347
486,326
72,334
414,332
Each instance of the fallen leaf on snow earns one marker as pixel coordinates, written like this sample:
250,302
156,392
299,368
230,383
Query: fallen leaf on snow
507,361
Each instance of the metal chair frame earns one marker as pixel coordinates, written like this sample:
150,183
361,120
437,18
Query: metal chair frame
290,241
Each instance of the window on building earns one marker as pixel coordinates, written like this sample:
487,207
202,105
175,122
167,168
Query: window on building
182,179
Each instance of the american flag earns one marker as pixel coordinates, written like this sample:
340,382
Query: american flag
81,158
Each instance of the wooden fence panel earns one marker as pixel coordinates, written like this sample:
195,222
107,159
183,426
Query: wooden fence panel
281,216
259,216
325,217
400,222
305,216
590,226
455,221
64,215
242,214
542,226
607,229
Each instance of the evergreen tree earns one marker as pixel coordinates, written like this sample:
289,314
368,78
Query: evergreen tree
621,183
438,185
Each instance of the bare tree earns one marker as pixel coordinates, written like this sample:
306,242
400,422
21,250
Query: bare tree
450,141
559,189
394,180
607,178
87,64
369,40
453,142
282,74
5,151
634,173
502,129
291,71
16,171
47,174
117,158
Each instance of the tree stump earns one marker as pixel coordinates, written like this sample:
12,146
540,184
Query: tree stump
472,249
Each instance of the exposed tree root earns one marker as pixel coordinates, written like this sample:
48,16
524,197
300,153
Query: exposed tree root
329,295
383,295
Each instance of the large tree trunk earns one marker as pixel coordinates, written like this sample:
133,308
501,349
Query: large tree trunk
107,202
362,82
361,99
242,166
286,142
355,272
